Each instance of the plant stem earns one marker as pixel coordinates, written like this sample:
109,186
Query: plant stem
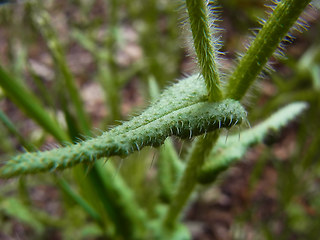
31,105
119,202
13,130
42,21
204,47
274,30
200,150
107,67
65,187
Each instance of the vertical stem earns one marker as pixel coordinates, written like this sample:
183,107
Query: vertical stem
284,16
188,181
108,67
42,20
204,46
31,105
129,218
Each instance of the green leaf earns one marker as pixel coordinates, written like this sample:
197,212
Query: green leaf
180,111
13,207
226,153
31,105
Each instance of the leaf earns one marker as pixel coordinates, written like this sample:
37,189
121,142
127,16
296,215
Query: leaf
226,153
13,207
181,111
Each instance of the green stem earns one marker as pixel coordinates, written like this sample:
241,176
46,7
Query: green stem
65,187
187,183
110,83
13,130
170,169
274,30
42,21
119,202
204,46
30,105
108,68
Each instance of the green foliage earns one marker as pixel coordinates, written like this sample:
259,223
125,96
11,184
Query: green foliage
204,45
235,147
15,208
264,45
175,115
131,204
42,22
31,105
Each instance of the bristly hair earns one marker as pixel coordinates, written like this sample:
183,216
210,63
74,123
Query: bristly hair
299,26
213,16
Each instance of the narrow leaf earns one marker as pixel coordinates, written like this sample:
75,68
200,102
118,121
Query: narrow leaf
226,153
180,111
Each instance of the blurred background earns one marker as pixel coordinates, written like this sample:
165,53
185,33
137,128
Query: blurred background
113,51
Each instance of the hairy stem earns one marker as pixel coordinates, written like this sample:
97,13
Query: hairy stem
186,122
284,16
180,111
188,181
204,47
